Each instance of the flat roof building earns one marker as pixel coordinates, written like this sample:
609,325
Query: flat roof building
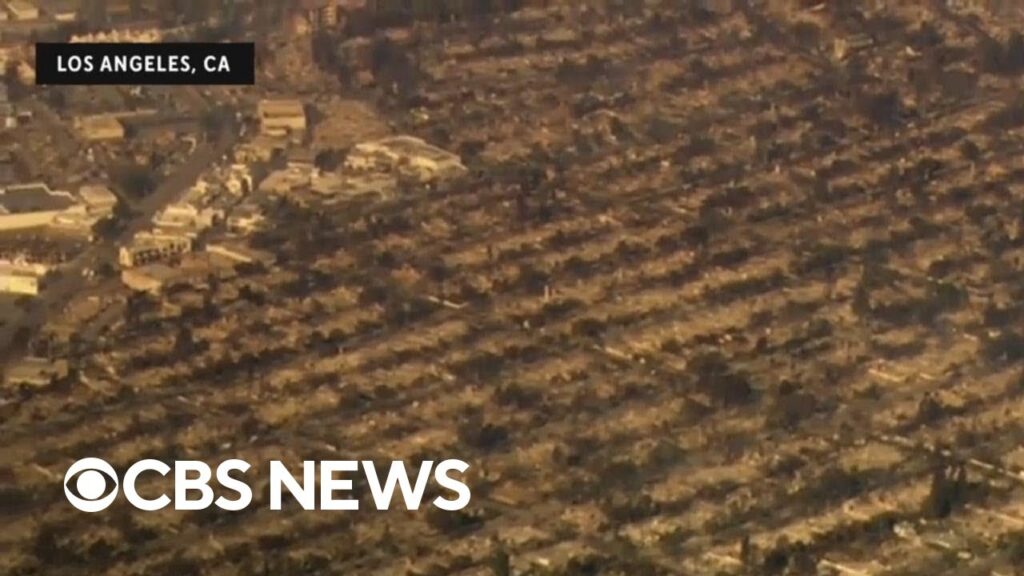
151,278
281,117
98,198
101,127
148,247
185,218
407,155
33,197
369,186
17,280
32,205
239,253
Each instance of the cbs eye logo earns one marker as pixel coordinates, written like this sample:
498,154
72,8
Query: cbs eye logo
86,484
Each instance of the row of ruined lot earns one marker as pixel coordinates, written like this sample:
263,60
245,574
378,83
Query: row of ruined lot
648,353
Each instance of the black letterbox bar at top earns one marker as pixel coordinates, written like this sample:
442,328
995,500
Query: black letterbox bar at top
174,63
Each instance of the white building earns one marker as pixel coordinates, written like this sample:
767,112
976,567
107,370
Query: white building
185,218
98,199
406,155
21,277
14,281
148,247
281,117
